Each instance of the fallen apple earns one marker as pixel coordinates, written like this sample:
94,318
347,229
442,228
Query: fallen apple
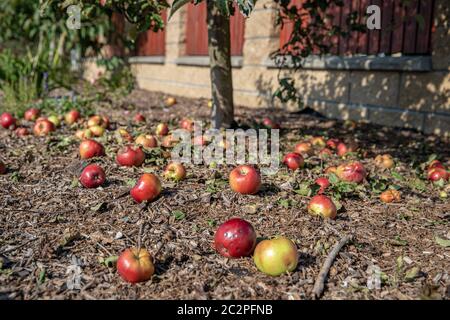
330,170
325,153
321,205
169,141
175,171
72,116
97,131
323,183
235,238
90,149
98,120
7,121
187,124
269,123
318,142
245,179
122,135
170,101
43,127
389,196
345,148
333,143
293,161
384,161
304,148
55,120
147,141
135,265
435,164
436,174
147,188
139,118
130,156
276,256
92,176
351,172
22,132
162,129
32,114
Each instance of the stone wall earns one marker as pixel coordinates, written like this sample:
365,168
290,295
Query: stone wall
399,91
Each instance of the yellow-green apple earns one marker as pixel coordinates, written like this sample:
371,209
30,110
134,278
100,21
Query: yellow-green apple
7,121
170,101
293,161
55,120
148,188
162,129
304,148
123,135
245,179
384,161
321,205
175,171
235,238
135,265
130,156
276,256
147,141
90,149
330,170
389,196
72,116
97,131
32,114
92,176
43,127
351,172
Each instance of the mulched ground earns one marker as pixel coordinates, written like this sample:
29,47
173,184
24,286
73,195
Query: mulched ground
49,225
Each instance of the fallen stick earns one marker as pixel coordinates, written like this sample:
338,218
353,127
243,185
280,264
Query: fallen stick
319,285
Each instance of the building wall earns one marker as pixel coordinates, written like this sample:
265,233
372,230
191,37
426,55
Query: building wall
399,91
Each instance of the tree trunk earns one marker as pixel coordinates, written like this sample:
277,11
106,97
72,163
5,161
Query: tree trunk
220,65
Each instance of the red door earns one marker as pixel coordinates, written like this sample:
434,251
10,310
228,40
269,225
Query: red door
197,31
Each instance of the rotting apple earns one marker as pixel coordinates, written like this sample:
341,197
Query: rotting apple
98,120
384,161
304,148
389,196
147,188
130,156
169,141
92,176
90,148
122,134
43,127
139,118
32,114
147,141
175,171
135,265
7,121
293,161
22,132
235,238
72,116
330,170
245,179
323,183
351,172
162,129
276,256
323,206
436,174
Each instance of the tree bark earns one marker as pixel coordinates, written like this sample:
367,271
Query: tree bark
220,65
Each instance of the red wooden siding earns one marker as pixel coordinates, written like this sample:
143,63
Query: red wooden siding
197,31
152,43
400,31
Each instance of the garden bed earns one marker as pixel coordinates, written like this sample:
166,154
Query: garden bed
49,223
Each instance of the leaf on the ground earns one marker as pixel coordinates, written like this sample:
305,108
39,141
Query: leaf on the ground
131,182
397,176
412,274
99,207
178,214
442,242
397,241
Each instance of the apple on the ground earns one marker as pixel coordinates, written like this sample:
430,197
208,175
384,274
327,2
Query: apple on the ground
276,256
235,238
90,148
92,176
245,179
323,206
175,171
148,188
130,156
135,265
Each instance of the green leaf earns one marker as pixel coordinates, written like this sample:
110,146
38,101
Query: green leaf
178,214
442,242
176,5
246,6
131,182
397,176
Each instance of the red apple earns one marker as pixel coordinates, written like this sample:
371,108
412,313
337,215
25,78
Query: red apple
344,148
2,168
22,132
97,131
323,183
436,174
384,161
32,114
293,161
435,164
147,141
91,148
235,238
162,129
7,121
43,127
352,172
130,156
329,170
135,265
333,143
276,256
187,124
325,153
269,123
72,116
304,148
139,117
389,196
122,134
92,176
147,188
175,171
55,120
98,121
321,205
169,142
245,179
